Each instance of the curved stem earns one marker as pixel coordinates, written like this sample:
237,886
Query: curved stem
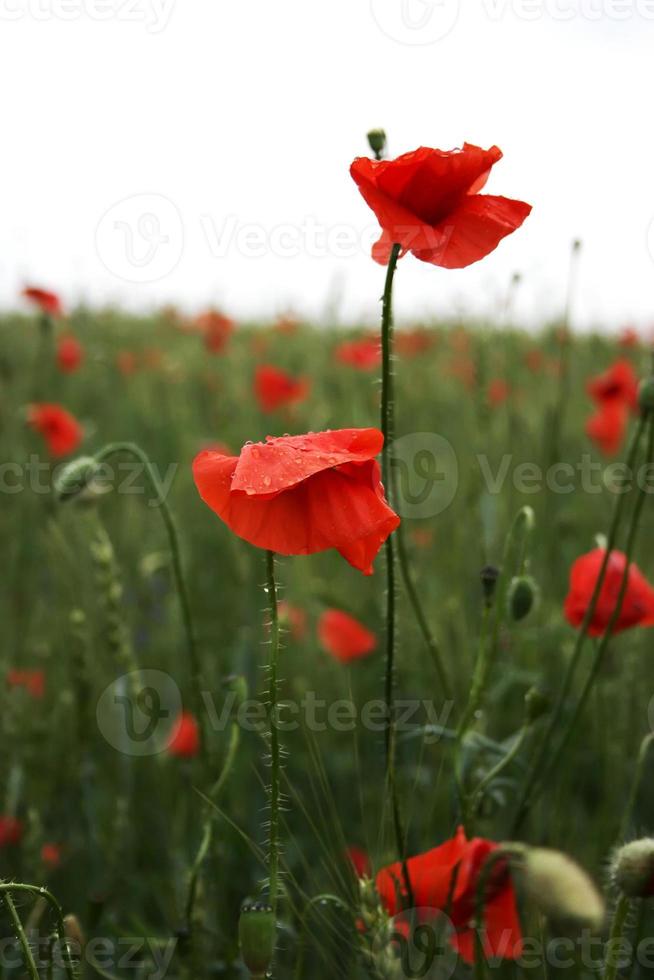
619,920
275,751
526,797
39,892
635,785
133,449
28,956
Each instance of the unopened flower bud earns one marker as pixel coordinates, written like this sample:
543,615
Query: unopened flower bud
646,395
561,889
523,595
536,704
489,576
74,935
257,934
632,868
76,478
377,141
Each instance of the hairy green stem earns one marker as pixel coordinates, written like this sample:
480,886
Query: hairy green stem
635,786
275,750
617,927
6,890
528,791
198,686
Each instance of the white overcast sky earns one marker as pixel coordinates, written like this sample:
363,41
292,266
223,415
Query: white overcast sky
197,151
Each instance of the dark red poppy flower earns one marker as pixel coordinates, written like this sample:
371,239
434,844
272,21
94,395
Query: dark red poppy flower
217,329
445,879
363,354
344,637
11,831
61,430
51,855
618,383
46,301
608,425
126,362
275,388
294,619
184,741
298,495
498,392
638,604
69,354
32,680
428,202
360,861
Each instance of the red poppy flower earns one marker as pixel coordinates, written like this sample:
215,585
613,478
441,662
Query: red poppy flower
364,354
126,362
294,619
61,430
51,855
498,392
344,637
48,303
535,360
445,879
360,861
411,343
32,680
69,354
299,495
428,202
217,329
629,338
184,741
11,831
286,325
607,427
638,604
275,388
618,383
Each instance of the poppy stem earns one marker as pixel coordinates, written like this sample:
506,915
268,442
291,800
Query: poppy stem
275,751
387,427
198,687
530,788
635,786
613,946
6,891
510,854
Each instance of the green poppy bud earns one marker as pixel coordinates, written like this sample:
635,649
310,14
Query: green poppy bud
257,934
536,704
523,595
489,576
76,478
632,868
377,141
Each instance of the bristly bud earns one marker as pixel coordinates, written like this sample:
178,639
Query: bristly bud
646,395
76,478
632,868
537,704
257,931
74,934
561,889
523,596
489,576
377,142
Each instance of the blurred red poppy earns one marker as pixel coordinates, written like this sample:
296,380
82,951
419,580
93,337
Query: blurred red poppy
275,388
344,637
608,425
61,430
298,495
51,855
360,861
294,619
47,302
363,354
445,879
498,392
32,680
69,353
637,607
535,360
628,337
184,740
618,383
428,202
126,362
11,831
411,343
217,329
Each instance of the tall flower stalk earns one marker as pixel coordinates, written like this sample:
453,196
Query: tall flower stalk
275,748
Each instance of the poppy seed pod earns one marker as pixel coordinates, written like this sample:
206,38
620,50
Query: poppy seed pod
561,889
646,395
75,478
536,704
257,933
523,595
632,868
489,576
377,141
